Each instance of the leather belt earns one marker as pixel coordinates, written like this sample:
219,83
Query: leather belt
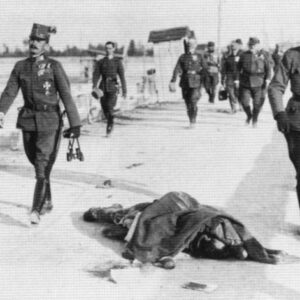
42,107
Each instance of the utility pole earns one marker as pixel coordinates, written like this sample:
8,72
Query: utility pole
219,25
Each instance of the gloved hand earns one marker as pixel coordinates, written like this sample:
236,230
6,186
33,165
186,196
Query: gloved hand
72,132
172,87
283,122
1,119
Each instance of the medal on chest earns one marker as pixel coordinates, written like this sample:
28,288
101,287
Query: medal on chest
43,69
47,86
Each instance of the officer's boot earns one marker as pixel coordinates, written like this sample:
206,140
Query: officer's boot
38,200
189,114
48,206
298,191
248,112
194,116
110,125
255,117
211,97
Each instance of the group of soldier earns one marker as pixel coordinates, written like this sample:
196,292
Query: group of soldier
244,74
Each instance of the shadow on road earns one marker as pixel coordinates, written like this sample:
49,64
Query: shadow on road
9,220
260,203
72,177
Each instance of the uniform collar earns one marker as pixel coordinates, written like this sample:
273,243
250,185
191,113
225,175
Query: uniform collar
39,59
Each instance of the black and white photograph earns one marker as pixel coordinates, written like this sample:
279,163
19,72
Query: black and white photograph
150,149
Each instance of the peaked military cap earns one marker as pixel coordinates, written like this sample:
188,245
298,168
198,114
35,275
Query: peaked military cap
253,41
239,41
42,31
210,44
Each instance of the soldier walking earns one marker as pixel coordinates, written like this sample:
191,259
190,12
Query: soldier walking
191,66
106,72
211,78
288,119
254,73
229,73
42,81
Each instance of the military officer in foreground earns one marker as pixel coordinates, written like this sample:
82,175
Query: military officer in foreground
191,67
105,77
288,119
254,74
43,82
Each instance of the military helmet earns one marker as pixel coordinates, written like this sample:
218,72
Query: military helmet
210,44
42,31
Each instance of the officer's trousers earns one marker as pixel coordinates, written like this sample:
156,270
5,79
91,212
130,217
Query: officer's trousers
256,94
108,103
293,142
191,97
41,149
233,95
210,82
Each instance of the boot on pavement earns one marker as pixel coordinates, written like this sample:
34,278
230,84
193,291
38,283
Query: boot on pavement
248,112
48,206
38,200
255,118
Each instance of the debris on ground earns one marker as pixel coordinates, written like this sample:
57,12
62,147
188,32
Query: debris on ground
106,184
134,165
201,287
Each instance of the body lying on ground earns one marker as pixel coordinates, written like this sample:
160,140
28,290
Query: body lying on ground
156,231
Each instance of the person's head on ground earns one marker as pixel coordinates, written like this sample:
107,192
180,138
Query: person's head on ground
110,48
211,47
39,39
254,44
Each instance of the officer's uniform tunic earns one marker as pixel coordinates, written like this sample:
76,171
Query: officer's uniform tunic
42,82
109,70
190,67
287,71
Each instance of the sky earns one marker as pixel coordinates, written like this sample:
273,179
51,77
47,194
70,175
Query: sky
80,22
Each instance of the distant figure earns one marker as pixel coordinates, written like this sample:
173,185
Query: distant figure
229,73
43,82
277,56
253,74
190,65
106,72
86,73
288,119
211,78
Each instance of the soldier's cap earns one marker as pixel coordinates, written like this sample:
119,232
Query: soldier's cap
253,41
42,31
239,41
210,44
